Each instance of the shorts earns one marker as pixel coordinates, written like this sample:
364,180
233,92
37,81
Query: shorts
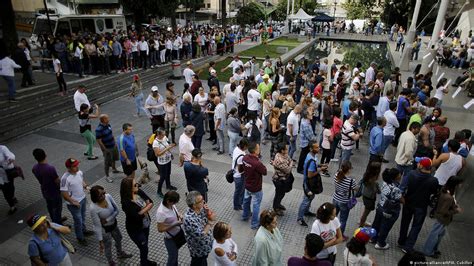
110,155
129,169
369,204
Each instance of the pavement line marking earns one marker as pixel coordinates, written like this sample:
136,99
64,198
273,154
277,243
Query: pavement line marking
440,76
456,92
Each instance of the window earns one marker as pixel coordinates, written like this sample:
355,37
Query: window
41,26
88,25
109,24
75,25
100,24
63,28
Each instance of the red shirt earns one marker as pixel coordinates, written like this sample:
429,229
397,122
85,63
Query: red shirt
336,126
254,170
318,90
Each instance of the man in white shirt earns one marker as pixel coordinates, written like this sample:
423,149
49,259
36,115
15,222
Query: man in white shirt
249,67
383,105
188,73
236,63
292,128
7,71
7,162
186,145
80,97
259,76
238,166
72,188
389,130
370,73
219,120
144,51
253,97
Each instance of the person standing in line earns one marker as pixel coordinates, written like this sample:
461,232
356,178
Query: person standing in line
59,75
311,170
144,52
406,149
355,252
7,160
390,128
188,73
7,71
283,178
225,249
162,149
20,58
171,117
369,188
254,170
72,189
349,136
293,129
376,141
446,208
268,241
450,164
420,185
328,227
104,212
155,106
403,111
197,176
128,150
169,222
45,246
196,119
136,205
313,245
85,128
238,166
49,181
186,145
137,94
344,186
198,222
106,141
219,120
234,129
306,135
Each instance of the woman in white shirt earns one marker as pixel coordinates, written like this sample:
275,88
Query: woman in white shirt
224,249
169,222
202,98
441,90
328,227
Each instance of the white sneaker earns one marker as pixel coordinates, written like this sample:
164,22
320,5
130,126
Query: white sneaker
334,160
109,179
387,246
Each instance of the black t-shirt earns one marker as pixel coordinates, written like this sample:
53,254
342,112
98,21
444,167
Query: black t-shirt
84,123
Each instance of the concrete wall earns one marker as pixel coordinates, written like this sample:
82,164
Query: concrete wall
466,23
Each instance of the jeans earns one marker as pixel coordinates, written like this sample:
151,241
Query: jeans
11,86
386,142
90,138
404,170
345,156
343,211
55,208
234,138
220,139
79,217
140,239
199,261
304,152
255,198
139,104
434,238
165,173
292,146
196,140
107,238
173,252
304,206
408,213
239,192
383,224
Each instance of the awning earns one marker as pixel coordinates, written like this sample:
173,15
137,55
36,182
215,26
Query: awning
321,17
300,15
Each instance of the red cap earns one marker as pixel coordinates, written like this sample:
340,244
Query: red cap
424,161
136,77
71,162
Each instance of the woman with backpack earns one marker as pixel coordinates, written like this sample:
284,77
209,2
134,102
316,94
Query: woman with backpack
368,189
388,208
254,127
344,187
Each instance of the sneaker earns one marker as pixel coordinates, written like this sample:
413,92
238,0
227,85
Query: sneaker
326,175
220,153
82,242
172,188
281,207
12,210
109,179
124,255
310,214
387,246
88,233
302,223
334,160
160,194
152,263
92,158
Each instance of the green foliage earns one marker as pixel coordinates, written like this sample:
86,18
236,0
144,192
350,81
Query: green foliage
308,6
360,9
250,14
401,12
365,53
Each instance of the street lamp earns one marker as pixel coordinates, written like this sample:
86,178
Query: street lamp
335,4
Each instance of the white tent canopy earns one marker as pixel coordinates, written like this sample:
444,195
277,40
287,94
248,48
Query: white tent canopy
300,15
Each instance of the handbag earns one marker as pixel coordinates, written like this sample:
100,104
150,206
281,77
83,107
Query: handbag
352,199
179,239
70,248
14,172
289,182
229,176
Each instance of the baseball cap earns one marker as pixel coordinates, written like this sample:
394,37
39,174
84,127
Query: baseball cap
154,88
71,162
189,63
364,234
424,161
136,77
35,220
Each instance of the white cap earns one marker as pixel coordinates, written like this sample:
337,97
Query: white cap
154,88
213,71
362,75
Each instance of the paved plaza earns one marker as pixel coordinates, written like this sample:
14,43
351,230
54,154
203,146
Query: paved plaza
62,140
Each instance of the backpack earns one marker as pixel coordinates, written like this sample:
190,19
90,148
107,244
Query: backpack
229,176
314,184
255,134
150,153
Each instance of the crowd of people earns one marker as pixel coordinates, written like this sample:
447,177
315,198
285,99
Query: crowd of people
284,105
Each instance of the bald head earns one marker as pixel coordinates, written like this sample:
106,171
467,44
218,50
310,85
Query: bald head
104,119
217,100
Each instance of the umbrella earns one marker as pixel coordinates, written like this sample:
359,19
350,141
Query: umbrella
321,17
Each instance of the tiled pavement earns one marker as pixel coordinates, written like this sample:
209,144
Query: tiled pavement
62,140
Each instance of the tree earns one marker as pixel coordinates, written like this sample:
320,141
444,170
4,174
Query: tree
250,14
360,9
10,36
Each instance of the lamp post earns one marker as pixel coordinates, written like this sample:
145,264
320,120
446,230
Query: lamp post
335,5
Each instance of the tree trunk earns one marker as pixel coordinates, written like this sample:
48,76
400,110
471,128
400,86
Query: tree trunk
9,34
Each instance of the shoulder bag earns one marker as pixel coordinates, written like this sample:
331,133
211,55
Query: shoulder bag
229,176
179,239
352,200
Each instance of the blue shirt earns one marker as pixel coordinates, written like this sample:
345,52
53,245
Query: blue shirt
127,143
402,104
422,97
104,133
345,107
306,133
51,249
376,140
311,167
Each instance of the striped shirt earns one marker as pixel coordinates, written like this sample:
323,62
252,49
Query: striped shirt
104,133
341,189
347,143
